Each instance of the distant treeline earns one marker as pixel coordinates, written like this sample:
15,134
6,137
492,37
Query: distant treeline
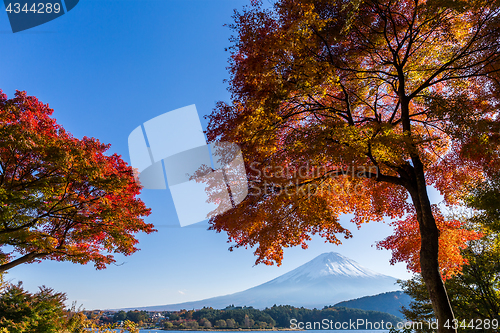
247,317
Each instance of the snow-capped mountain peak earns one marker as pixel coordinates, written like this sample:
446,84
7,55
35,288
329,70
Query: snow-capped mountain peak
327,279
328,264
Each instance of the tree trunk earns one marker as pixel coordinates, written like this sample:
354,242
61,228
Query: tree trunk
429,250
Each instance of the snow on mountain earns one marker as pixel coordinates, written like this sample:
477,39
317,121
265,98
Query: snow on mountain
328,264
327,279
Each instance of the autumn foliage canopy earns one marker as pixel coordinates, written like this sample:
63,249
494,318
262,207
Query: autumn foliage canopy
61,198
405,243
405,93
318,86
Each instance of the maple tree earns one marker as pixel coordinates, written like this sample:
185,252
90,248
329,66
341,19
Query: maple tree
61,198
475,292
356,107
453,238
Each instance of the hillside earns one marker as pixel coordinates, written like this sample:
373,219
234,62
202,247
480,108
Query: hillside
390,302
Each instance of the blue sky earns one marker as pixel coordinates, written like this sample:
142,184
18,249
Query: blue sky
108,66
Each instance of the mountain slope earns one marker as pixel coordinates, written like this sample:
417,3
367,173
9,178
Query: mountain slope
390,302
327,279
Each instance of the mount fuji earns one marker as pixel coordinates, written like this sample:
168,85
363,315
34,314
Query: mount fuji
326,280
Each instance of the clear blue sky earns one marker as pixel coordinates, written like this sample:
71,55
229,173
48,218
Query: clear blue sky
105,68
